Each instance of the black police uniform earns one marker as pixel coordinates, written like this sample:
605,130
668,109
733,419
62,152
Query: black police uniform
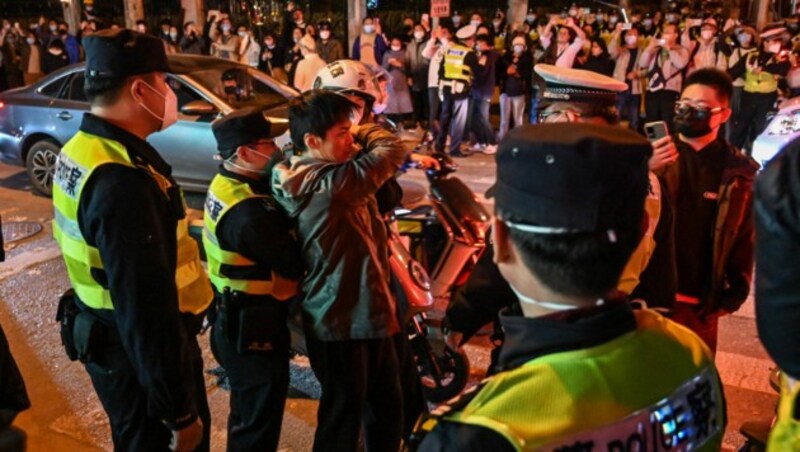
258,230
147,370
151,368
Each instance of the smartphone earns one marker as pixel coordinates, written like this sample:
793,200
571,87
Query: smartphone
656,130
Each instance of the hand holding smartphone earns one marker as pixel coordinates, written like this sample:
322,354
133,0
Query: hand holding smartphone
656,130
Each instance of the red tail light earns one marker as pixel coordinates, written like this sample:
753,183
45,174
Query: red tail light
2,105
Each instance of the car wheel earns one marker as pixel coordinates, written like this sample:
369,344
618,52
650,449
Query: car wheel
41,165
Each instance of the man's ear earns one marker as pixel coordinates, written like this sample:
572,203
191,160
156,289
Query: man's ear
312,141
502,242
726,115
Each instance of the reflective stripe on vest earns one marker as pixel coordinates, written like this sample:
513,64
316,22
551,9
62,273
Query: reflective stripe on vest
763,83
631,274
223,194
785,434
454,67
615,396
79,158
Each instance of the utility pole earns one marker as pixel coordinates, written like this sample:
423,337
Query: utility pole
356,11
72,15
134,10
762,13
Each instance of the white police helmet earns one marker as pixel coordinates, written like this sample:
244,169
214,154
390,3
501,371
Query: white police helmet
352,77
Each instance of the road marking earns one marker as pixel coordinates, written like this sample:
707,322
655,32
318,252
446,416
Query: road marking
24,260
744,371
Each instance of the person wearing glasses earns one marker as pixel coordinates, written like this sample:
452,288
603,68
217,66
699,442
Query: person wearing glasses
710,187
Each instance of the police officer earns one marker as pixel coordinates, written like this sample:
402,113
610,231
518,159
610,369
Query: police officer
455,78
254,264
777,197
762,70
575,95
580,368
139,286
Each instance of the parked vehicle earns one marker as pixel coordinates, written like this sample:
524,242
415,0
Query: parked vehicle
36,120
781,130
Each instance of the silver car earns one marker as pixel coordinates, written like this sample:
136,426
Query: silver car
35,121
781,130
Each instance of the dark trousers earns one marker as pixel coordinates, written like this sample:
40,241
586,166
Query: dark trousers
259,384
628,108
660,106
360,388
452,120
478,121
752,118
705,326
125,401
419,100
434,104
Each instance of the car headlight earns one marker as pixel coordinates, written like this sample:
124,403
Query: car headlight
785,123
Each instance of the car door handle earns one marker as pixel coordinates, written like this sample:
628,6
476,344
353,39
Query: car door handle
64,115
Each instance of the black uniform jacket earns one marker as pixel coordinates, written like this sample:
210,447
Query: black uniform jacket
258,230
133,223
528,339
777,215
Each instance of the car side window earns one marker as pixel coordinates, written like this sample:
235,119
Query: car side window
53,88
186,94
73,90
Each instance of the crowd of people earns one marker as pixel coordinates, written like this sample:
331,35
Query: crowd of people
588,216
653,53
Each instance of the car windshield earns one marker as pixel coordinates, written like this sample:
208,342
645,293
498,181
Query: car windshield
240,86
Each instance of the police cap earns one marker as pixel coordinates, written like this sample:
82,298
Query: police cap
123,53
571,177
466,32
245,126
578,85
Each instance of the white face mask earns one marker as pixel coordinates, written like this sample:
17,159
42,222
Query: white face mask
548,306
647,23
270,45
173,34
242,34
325,34
31,41
631,40
707,34
519,49
231,162
745,39
774,47
170,116
226,28
369,29
573,12
418,35
476,23
396,48
613,19
457,20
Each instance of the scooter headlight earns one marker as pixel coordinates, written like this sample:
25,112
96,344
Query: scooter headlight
419,275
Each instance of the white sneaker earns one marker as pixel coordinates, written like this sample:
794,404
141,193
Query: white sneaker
477,147
490,149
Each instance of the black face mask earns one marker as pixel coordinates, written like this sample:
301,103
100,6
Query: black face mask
693,122
230,90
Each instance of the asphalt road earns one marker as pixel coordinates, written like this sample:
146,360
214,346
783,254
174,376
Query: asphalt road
66,414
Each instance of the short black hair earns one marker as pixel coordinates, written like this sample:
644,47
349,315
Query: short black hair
714,78
105,91
484,38
316,112
581,264
141,22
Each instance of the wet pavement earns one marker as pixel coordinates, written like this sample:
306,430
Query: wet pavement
66,414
